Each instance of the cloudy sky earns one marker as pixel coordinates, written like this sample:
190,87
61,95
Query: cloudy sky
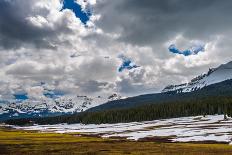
93,47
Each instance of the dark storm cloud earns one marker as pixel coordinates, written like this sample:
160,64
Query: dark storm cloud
16,31
145,22
83,60
14,28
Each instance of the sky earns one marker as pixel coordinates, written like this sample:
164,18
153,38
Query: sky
52,48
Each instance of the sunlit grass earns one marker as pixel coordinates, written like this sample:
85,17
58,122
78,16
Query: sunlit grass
9,136
30,142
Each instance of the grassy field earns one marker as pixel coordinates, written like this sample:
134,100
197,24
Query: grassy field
17,142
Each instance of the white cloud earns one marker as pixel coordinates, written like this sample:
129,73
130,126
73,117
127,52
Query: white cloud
40,49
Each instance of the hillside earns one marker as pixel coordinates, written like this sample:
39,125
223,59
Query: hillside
214,75
74,104
176,92
218,89
213,99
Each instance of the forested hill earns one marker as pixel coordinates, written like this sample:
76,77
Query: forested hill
214,99
220,89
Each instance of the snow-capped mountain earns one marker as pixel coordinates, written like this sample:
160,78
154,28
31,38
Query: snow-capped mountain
51,107
215,75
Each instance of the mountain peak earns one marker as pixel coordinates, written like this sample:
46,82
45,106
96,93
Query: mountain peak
214,75
51,107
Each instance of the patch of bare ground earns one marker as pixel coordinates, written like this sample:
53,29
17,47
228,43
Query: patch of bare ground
163,139
157,127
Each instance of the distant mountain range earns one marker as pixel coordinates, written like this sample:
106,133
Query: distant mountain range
52,107
205,85
178,92
210,100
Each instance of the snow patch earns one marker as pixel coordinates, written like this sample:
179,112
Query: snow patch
185,129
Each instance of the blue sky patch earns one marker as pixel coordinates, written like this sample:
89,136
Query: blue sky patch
127,64
194,50
20,96
53,93
76,8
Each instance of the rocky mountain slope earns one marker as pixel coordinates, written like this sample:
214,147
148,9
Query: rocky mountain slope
51,107
215,75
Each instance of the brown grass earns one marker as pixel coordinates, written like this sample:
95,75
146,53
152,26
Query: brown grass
17,142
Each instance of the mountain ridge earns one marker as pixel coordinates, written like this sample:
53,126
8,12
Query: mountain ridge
53,107
214,75
70,105
210,100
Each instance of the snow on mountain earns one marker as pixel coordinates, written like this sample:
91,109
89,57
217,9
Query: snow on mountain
64,104
215,75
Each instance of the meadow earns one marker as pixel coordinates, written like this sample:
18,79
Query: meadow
21,142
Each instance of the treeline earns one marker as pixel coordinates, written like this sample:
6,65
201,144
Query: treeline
182,108
219,89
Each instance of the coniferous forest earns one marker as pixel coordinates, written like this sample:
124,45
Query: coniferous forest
214,99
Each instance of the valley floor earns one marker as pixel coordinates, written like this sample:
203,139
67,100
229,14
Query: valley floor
19,142
212,128
187,135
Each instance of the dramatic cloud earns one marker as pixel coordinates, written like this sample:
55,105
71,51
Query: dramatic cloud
53,48
35,23
153,22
